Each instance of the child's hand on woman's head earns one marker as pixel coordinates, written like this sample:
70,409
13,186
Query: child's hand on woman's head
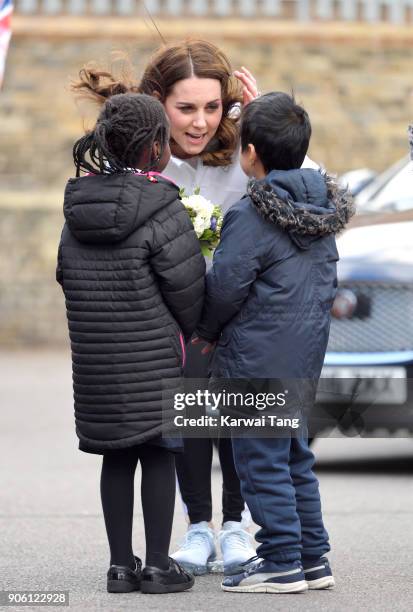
250,89
210,346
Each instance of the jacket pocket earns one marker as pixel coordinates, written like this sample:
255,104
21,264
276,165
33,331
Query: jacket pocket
178,343
226,336
183,349
225,354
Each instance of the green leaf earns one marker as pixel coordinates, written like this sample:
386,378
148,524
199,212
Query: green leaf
208,235
205,250
217,212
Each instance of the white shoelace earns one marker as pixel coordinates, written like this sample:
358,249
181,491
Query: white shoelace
241,538
195,537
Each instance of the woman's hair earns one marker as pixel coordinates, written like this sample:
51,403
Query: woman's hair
170,64
124,134
279,129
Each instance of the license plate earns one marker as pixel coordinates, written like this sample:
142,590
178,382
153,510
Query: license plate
363,385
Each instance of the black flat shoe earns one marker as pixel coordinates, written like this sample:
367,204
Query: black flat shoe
172,580
122,579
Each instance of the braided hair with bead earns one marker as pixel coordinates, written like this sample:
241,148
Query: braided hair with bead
127,127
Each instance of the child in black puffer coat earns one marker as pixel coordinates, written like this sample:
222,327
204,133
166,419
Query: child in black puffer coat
132,272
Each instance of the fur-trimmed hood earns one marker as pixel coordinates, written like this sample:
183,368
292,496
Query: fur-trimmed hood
306,203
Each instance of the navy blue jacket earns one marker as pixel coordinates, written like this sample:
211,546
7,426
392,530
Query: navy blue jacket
273,280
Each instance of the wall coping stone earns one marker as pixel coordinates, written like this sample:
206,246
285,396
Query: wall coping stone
253,29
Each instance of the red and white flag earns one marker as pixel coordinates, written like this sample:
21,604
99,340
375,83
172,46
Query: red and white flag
6,9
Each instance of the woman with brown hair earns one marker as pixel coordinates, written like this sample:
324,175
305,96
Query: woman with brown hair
202,97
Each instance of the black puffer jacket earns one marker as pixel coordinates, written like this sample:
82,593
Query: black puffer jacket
133,277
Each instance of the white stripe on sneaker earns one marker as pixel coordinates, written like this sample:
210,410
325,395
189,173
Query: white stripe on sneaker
313,569
261,577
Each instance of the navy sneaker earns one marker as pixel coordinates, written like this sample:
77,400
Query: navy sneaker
264,576
318,574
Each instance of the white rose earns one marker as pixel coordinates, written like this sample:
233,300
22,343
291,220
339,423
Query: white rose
199,226
203,209
200,205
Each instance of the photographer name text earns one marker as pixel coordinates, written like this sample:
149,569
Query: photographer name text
270,420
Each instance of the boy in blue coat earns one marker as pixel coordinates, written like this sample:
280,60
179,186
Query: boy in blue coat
267,308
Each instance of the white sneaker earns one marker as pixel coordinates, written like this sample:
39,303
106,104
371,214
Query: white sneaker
236,547
197,550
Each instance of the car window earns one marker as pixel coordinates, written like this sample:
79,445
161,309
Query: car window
393,194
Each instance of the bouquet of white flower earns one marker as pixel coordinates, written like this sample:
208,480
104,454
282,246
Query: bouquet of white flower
207,220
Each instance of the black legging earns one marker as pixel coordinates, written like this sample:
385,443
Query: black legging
193,467
158,501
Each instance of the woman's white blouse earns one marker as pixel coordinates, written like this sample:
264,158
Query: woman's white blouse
222,185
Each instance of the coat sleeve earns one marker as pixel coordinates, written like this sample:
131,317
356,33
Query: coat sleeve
235,267
59,269
59,272
179,266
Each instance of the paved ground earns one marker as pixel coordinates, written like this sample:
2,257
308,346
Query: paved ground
52,532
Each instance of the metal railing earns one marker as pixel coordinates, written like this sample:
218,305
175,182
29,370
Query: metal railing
392,11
